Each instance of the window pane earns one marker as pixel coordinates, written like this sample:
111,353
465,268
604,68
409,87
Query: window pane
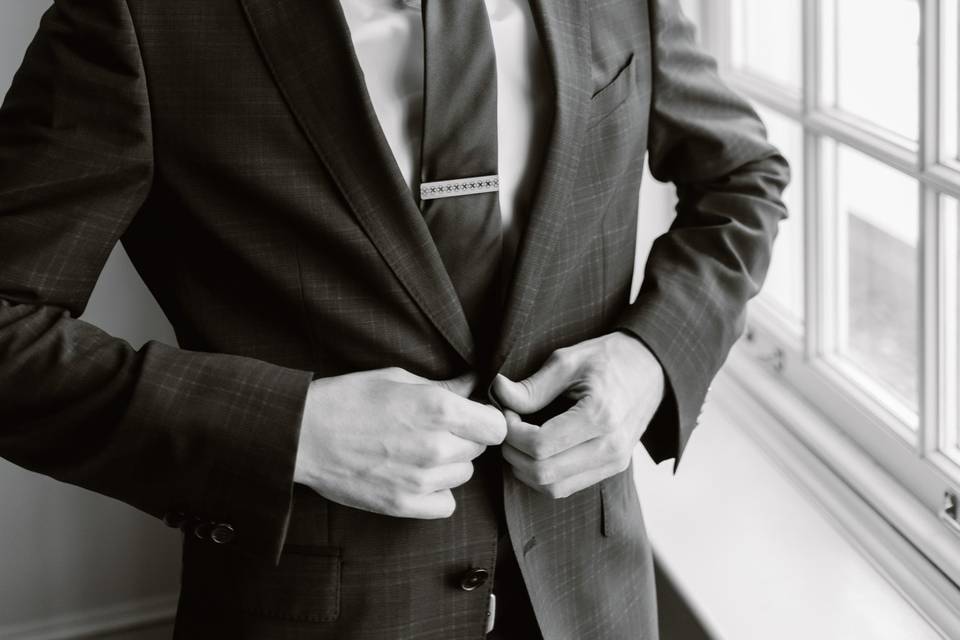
950,78
784,285
766,40
871,58
950,242
875,214
691,8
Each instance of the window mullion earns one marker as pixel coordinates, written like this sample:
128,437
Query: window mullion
929,84
931,361
813,248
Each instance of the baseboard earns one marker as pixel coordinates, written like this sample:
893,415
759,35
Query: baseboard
96,622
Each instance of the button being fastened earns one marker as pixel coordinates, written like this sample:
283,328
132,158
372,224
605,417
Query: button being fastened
473,579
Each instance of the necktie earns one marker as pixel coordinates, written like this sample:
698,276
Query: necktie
458,173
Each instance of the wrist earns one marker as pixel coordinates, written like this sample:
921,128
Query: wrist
638,353
300,475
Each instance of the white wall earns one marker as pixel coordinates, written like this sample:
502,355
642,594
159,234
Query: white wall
70,559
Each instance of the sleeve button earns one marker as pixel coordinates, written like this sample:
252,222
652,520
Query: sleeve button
174,519
222,534
202,530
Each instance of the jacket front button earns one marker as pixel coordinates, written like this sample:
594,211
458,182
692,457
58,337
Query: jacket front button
473,579
222,533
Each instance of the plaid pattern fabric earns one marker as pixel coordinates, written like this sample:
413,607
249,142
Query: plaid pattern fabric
232,149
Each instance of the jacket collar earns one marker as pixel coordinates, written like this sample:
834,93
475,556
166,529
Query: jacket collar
307,47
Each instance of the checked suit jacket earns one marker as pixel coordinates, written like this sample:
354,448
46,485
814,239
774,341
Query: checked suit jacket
231,146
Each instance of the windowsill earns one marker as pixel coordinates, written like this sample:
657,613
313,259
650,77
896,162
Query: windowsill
753,552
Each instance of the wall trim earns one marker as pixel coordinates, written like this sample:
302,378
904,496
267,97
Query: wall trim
94,623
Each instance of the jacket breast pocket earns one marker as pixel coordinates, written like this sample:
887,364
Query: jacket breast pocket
611,96
304,587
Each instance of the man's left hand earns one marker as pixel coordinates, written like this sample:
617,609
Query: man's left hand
616,384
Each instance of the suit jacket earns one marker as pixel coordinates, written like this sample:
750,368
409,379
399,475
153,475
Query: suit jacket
231,147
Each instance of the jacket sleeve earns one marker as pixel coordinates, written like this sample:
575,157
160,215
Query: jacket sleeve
166,430
701,273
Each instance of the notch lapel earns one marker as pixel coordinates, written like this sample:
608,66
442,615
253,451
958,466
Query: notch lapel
308,49
564,30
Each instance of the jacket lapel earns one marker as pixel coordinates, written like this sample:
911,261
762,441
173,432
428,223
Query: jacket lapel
307,46
565,36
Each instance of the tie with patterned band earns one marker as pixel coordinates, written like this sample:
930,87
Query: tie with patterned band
459,181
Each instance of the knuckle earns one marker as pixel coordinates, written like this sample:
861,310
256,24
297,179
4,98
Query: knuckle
610,449
433,398
419,483
542,474
443,410
395,504
592,369
555,492
561,358
540,450
431,452
601,415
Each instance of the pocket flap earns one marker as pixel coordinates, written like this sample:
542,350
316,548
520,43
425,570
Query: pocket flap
304,587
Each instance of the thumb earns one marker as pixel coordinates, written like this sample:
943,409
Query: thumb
462,385
536,392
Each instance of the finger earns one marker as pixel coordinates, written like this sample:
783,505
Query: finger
398,374
565,486
444,448
539,390
462,385
474,421
558,434
570,486
511,416
523,436
432,506
594,454
435,479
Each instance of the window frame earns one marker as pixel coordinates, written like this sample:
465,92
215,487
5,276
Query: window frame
800,357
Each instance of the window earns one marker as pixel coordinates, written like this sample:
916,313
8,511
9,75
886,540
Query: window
862,301
765,41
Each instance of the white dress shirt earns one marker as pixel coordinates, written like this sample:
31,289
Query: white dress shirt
388,39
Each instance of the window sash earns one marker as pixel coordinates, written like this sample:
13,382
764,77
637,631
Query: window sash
928,461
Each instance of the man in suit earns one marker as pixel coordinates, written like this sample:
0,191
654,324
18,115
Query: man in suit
396,243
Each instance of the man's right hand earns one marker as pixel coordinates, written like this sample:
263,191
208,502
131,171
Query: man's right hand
391,442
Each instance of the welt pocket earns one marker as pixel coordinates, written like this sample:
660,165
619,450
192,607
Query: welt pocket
303,587
612,94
